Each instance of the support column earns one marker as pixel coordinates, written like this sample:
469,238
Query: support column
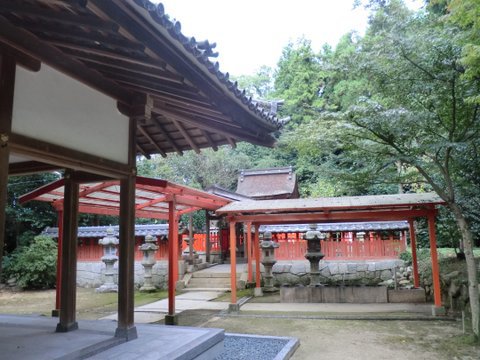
233,267
7,85
171,318
437,295
126,261
56,311
256,244
68,287
249,253
126,250
413,244
208,245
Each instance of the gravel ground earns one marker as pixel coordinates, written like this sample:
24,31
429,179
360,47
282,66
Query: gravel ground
238,347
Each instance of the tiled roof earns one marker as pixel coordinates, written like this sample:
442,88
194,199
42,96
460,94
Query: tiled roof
101,231
327,227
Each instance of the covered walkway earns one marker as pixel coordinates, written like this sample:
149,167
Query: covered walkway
328,210
154,198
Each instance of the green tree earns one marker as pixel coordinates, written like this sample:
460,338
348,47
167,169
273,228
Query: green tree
414,116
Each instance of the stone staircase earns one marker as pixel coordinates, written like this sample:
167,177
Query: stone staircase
214,278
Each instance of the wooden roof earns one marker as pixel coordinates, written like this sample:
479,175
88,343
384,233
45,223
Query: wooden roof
132,51
151,197
333,209
271,183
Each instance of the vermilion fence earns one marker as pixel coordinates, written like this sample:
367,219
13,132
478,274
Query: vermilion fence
291,247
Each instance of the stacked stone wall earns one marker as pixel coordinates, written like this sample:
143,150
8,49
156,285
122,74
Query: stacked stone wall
362,272
92,274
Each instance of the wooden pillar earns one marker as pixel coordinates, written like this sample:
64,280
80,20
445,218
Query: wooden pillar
413,244
126,251
256,245
249,252
68,287
170,318
208,244
58,286
233,263
437,296
7,85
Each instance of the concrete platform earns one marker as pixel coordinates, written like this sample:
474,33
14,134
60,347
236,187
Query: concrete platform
34,337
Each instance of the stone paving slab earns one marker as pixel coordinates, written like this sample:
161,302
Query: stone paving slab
34,338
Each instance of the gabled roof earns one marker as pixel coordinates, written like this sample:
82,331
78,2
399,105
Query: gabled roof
271,183
334,209
218,190
151,197
129,50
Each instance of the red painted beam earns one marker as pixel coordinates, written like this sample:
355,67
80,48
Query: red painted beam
437,296
333,216
233,263
413,244
41,190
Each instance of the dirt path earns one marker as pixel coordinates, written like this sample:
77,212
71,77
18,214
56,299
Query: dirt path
352,340
319,339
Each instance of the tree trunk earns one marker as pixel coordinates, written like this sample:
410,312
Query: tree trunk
471,267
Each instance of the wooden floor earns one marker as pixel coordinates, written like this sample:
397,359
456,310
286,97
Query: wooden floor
34,337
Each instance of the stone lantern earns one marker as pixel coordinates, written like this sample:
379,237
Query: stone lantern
148,248
109,257
314,254
268,247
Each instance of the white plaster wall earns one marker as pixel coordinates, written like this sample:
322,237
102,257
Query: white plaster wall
55,108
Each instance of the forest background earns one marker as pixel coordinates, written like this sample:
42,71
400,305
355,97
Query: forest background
395,110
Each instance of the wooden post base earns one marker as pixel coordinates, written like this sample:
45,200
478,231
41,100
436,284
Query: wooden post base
66,328
126,333
171,319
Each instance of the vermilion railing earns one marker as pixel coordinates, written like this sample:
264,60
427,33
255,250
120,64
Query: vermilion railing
291,247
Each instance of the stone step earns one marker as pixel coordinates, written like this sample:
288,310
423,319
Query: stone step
208,274
225,289
209,282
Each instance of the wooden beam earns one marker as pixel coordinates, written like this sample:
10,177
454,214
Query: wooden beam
135,24
167,136
249,252
122,61
160,199
69,256
298,218
21,58
31,167
28,43
187,137
89,47
67,158
153,142
209,140
258,287
226,130
7,89
232,142
21,8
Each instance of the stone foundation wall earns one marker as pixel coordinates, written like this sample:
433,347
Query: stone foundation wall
92,274
366,272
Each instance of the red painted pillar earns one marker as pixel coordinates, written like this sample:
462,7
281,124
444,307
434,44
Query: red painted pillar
413,244
256,245
249,252
170,319
233,263
437,296
59,262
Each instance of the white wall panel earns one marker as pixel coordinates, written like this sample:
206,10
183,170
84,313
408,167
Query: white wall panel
57,109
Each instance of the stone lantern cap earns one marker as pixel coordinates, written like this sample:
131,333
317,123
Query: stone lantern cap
150,243
110,239
313,233
267,242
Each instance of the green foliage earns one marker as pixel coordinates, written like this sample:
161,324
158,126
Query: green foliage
33,266
406,256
